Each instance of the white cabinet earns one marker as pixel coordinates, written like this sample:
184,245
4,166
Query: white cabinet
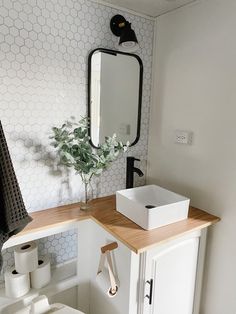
170,276
173,268
162,280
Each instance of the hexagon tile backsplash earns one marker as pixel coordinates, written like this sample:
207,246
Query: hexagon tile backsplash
44,47
60,248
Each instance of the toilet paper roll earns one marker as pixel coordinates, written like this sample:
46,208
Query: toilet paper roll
26,257
41,276
16,285
104,283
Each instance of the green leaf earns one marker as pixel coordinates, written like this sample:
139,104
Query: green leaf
72,142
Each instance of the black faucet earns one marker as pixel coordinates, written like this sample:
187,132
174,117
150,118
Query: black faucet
130,169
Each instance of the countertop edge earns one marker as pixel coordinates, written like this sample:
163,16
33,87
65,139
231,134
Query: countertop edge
136,239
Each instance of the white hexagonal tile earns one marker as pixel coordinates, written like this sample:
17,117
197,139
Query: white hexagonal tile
43,65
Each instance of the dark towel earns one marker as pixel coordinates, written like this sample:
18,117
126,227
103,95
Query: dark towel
13,215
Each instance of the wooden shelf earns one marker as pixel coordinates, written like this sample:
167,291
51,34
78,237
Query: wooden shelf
63,277
103,212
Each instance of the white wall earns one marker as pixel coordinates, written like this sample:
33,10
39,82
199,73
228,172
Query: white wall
195,89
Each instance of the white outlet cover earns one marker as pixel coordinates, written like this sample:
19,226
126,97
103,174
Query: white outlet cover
183,137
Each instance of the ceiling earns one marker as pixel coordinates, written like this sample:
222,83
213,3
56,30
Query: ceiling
150,7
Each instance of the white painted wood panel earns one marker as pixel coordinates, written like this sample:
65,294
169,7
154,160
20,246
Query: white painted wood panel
173,270
147,8
91,299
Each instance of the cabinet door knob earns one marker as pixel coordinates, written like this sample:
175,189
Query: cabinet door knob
149,296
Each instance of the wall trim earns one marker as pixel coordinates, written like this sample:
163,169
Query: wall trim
148,17
193,2
152,18
152,94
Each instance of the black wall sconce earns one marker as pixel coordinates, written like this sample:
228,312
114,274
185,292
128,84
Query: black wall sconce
120,27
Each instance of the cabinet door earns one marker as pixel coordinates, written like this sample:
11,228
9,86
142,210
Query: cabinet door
171,270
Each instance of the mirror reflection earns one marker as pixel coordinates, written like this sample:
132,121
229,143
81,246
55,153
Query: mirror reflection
114,97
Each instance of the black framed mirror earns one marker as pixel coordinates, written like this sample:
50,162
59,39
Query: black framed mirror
115,81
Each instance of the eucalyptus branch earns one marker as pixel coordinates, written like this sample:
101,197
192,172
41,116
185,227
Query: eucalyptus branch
72,142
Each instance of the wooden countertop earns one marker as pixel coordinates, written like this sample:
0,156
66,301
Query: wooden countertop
126,231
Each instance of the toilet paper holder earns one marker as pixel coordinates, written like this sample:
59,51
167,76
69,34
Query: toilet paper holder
106,255
109,247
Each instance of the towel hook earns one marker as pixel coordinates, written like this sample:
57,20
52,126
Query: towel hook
106,254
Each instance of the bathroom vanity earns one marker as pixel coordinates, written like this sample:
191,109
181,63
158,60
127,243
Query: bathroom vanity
159,270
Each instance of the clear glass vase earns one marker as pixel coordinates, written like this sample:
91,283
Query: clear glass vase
88,196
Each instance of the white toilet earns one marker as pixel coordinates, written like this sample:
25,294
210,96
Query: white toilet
40,305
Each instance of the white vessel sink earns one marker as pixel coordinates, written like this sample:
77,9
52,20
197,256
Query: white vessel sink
151,206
